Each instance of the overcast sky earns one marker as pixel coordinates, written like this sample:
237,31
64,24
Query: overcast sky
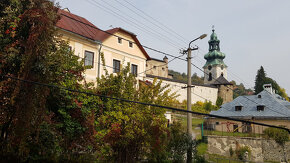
252,33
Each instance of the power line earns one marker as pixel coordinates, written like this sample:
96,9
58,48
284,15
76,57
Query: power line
144,46
233,89
125,19
145,25
156,20
142,103
230,72
149,20
161,65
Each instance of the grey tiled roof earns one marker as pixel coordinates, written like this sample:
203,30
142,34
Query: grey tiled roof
275,107
221,81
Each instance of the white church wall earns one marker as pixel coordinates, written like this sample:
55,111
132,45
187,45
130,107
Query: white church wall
216,72
198,93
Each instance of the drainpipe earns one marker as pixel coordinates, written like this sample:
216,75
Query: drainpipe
99,58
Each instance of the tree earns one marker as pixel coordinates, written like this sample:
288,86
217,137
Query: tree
28,51
38,122
219,101
126,131
260,80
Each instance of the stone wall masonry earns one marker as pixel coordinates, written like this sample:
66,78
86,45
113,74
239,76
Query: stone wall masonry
261,149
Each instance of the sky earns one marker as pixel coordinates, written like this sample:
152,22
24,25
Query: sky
252,33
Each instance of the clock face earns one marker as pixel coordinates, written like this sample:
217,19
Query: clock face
209,67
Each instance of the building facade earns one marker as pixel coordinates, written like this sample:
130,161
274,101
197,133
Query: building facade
265,107
215,76
119,47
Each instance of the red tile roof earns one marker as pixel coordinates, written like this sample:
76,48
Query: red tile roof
81,26
77,25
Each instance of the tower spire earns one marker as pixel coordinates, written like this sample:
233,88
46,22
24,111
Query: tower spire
214,66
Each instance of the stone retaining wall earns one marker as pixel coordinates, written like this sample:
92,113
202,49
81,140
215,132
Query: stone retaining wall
261,149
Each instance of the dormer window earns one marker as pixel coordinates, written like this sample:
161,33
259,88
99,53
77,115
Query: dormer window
260,108
238,108
259,96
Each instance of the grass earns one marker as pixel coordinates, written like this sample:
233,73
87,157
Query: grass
222,159
201,149
195,123
237,134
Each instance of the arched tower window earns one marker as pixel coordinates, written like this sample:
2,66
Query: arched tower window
222,74
209,76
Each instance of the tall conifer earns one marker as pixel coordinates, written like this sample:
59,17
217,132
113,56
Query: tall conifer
260,80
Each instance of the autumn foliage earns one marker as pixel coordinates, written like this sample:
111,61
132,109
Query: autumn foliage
43,123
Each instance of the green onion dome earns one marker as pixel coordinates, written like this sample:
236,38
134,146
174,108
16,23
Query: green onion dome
214,56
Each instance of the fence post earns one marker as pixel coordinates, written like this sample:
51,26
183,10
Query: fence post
202,130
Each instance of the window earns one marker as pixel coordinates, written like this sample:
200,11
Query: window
130,44
209,67
89,58
222,74
217,123
238,108
260,108
116,66
119,40
163,68
134,69
154,67
209,77
259,96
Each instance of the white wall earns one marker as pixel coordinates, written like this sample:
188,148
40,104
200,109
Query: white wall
216,72
198,93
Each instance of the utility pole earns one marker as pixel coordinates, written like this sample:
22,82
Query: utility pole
189,86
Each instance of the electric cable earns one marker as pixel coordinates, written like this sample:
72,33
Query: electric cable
144,46
137,102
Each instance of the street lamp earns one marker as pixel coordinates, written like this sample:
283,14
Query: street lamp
189,117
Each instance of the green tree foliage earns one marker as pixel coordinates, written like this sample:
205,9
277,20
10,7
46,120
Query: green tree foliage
179,142
183,77
38,122
219,101
262,79
279,135
128,131
28,51
203,107
240,90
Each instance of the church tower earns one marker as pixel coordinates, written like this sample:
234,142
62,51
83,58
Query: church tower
214,66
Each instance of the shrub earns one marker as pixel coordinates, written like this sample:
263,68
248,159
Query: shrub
231,151
279,135
240,152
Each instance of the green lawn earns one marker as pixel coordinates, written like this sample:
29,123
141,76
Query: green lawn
237,134
201,149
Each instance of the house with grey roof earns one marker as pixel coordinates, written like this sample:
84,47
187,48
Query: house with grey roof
265,107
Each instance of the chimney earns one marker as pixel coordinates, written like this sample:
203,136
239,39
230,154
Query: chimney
165,59
66,9
268,87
